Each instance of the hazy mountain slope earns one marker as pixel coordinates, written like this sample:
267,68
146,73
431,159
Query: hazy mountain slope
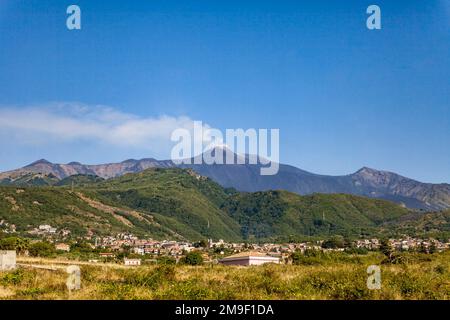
391,186
248,178
365,182
106,171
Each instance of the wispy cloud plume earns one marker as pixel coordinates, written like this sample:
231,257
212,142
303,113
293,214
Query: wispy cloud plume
74,122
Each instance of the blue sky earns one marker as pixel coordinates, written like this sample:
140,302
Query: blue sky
342,96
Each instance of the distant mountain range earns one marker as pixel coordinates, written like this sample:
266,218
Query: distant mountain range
180,204
246,177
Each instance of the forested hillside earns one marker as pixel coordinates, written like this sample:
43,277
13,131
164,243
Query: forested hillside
181,204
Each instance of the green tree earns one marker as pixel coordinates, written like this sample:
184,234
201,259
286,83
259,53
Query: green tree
387,249
201,244
193,258
14,243
42,249
22,245
296,257
333,243
8,243
82,247
348,242
423,248
433,248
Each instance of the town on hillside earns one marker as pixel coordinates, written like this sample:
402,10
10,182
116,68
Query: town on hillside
128,249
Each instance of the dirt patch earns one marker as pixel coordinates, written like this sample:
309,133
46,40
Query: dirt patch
13,202
5,293
105,208
77,210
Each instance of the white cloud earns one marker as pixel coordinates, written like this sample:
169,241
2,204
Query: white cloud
74,122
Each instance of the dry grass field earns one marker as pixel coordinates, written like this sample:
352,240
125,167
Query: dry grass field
418,276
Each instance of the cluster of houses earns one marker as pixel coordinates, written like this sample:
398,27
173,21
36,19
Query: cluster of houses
404,244
47,230
370,244
43,229
143,247
217,251
241,253
177,248
7,227
168,248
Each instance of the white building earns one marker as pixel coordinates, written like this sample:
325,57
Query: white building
249,259
47,228
132,262
139,250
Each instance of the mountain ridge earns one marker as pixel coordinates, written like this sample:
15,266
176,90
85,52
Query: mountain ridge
246,177
177,203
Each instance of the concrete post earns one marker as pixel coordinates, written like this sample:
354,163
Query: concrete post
7,260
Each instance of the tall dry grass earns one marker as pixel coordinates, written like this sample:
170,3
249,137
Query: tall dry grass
418,276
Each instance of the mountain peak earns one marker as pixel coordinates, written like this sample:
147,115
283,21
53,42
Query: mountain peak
219,149
130,161
367,170
74,163
41,161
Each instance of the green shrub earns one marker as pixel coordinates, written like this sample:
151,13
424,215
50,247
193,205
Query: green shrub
42,249
31,292
191,289
164,260
441,269
342,285
354,250
333,243
193,258
150,278
12,278
14,243
409,285
117,291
